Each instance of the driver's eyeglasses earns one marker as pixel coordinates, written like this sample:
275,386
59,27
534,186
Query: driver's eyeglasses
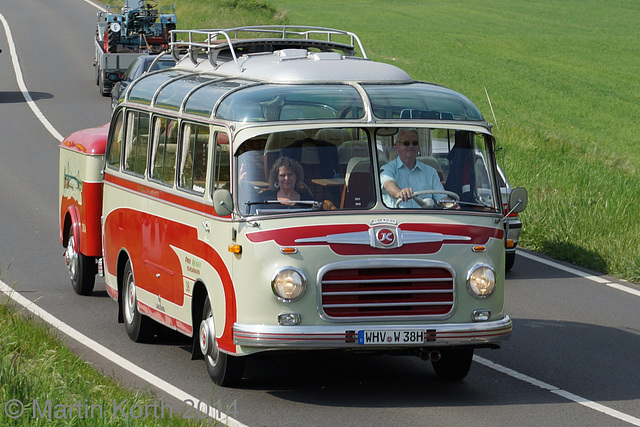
407,143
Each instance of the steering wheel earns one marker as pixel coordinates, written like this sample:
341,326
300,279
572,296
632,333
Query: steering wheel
428,202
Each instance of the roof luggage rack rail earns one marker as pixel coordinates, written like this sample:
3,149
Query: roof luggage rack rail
253,39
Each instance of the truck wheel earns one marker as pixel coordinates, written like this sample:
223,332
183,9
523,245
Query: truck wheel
454,364
224,370
139,328
82,269
510,259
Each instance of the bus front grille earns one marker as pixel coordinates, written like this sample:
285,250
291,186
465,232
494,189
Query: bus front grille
387,292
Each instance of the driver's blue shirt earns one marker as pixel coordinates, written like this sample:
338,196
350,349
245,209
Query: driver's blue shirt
421,177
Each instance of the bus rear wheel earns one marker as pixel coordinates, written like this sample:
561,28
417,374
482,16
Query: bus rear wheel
82,269
224,369
139,328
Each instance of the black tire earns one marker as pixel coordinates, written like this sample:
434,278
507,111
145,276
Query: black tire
454,364
224,370
82,269
112,41
101,87
139,328
510,259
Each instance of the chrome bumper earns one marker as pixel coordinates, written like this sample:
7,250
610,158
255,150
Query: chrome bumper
346,336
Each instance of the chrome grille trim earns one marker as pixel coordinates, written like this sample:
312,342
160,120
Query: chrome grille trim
401,295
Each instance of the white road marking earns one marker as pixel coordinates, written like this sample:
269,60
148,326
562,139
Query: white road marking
23,86
114,357
553,389
575,272
97,6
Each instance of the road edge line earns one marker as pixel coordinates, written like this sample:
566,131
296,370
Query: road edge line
562,393
103,351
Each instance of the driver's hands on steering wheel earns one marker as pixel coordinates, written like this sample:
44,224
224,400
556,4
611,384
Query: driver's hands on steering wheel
406,194
449,202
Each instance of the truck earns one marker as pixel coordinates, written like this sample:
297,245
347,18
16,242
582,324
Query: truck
241,198
123,34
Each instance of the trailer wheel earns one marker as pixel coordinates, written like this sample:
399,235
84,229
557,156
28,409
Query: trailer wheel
139,328
224,369
454,364
102,85
82,269
100,81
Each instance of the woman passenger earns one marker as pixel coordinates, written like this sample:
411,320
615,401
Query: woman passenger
286,182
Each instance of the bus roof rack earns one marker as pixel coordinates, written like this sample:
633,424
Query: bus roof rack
228,44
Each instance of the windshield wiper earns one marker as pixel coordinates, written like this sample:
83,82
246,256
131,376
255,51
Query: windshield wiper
295,205
475,204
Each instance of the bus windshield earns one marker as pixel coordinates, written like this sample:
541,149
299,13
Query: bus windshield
328,169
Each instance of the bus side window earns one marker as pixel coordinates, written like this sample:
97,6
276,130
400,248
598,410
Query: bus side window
115,143
165,144
194,156
221,169
136,142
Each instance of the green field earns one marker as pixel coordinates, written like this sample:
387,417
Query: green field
561,75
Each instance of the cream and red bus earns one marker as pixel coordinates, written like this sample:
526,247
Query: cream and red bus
176,204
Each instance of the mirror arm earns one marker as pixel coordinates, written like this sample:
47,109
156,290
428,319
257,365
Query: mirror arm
223,204
512,209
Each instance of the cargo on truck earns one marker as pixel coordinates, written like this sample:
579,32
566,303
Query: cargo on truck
123,34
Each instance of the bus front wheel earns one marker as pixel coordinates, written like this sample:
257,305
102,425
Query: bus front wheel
224,369
139,328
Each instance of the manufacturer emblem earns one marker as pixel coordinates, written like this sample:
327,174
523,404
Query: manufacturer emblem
386,236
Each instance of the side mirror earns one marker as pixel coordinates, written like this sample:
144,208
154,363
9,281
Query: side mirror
517,200
222,202
113,77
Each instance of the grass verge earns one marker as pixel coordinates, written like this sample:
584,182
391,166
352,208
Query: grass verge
44,383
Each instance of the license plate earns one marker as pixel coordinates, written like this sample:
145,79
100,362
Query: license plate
392,337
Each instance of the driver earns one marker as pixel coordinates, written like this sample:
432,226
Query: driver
405,175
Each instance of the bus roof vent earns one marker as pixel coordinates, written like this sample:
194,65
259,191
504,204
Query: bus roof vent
285,54
326,56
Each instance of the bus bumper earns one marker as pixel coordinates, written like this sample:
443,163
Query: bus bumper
481,334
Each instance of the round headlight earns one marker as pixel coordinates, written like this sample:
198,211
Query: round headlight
289,284
481,281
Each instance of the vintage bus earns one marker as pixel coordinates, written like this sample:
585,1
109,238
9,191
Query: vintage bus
240,198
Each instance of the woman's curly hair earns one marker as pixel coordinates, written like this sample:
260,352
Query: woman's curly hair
291,165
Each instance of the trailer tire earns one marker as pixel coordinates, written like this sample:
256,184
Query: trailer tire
82,269
102,86
100,81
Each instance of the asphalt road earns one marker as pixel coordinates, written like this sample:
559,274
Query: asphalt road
573,359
